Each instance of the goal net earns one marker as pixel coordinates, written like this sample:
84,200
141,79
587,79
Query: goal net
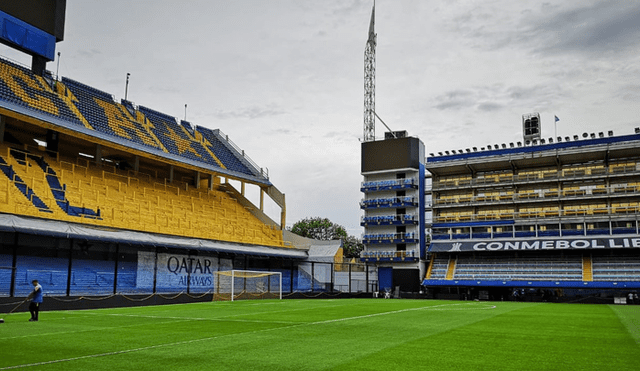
247,285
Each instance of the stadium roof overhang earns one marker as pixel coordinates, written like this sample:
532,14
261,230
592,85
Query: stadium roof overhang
55,228
536,156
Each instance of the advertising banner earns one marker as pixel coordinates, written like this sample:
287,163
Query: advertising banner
536,244
176,272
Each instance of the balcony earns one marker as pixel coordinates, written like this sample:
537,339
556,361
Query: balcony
554,176
541,213
405,219
389,255
542,195
387,185
389,202
390,238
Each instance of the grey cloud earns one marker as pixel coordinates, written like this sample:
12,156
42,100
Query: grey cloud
455,99
249,113
488,106
496,97
89,53
606,27
603,27
629,93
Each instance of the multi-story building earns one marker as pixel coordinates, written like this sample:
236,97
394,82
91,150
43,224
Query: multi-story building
548,214
393,204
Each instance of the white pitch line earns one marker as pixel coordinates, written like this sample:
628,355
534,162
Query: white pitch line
125,351
220,319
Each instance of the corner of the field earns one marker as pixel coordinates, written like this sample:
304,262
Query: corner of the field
629,316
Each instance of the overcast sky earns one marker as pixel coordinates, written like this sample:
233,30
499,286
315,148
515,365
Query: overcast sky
284,79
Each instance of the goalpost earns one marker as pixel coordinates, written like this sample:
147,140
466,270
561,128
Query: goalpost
247,285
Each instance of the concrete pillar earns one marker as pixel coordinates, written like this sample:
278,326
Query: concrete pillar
136,164
3,121
98,157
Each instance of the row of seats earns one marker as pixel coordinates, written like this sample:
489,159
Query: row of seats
462,199
95,197
612,168
223,153
175,138
19,86
621,268
83,105
604,268
462,216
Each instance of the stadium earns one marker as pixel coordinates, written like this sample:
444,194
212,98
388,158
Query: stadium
138,225
108,198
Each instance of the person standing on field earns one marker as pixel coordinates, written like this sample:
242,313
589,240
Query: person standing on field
36,300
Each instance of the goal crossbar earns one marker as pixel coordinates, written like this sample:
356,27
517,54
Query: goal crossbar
245,284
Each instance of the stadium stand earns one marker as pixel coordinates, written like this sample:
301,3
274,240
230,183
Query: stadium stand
132,182
114,198
539,217
106,195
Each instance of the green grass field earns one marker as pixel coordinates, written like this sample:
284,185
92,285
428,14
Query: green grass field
341,334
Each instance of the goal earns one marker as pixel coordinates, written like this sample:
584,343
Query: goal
247,285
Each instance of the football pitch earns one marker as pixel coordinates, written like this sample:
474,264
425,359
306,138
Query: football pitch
318,334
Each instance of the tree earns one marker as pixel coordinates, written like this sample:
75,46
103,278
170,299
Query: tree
352,247
325,230
317,228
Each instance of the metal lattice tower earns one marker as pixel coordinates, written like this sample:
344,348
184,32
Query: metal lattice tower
370,82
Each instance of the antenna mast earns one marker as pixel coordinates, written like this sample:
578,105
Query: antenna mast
370,82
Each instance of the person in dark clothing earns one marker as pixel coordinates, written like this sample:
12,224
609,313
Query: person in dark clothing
36,300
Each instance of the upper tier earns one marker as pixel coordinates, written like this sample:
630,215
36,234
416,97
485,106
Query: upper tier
89,111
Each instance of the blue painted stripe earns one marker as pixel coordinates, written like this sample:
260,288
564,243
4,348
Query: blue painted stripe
537,284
